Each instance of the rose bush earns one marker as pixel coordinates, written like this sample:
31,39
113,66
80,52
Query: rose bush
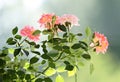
29,59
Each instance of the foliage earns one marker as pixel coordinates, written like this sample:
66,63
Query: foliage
62,52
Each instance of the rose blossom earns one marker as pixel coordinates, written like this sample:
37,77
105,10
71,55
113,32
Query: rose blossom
28,32
69,18
46,20
100,43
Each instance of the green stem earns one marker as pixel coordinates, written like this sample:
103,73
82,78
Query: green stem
23,40
58,57
76,77
40,73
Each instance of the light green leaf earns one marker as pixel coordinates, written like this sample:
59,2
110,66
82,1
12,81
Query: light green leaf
37,32
26,65
59,79
91,68
88,31
72,73
50,72
61,69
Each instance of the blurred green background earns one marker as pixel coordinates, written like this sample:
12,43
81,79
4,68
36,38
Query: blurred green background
100,15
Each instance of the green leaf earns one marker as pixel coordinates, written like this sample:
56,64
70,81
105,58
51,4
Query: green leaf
39,80
86,56
91,68
4,53
37,32
18,37
51,64
11,50
61,69
44,56
53,53
49,31
2,71
62,28
9,40
76,46
33,60
48,79
36,52
72,73
69,67
59,78
37,46
43,62
53,19
17,51
27,77
2,62
66,47
21,74
15,30
26,52
79,34
57,47
50,72
88,31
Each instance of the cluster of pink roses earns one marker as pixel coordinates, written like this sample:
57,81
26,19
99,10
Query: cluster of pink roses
48,21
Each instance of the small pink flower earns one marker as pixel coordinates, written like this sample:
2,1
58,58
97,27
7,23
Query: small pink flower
100,43
46,20
28,32
69,18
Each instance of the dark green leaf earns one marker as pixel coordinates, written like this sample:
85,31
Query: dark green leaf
26,52
53,53
21,74
51,64
37,32
4,53
79,34
39,80
65,35
75,46
66,62
37,46
69,67
17,51
57,47
18,37
33,60
66,47
86,56
2,62
67,51
48,79
43,62
36,52
15,30
27,77
2,71
44,56
12,43
83,43
9,40
62,28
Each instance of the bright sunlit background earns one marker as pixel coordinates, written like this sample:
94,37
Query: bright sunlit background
100,15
